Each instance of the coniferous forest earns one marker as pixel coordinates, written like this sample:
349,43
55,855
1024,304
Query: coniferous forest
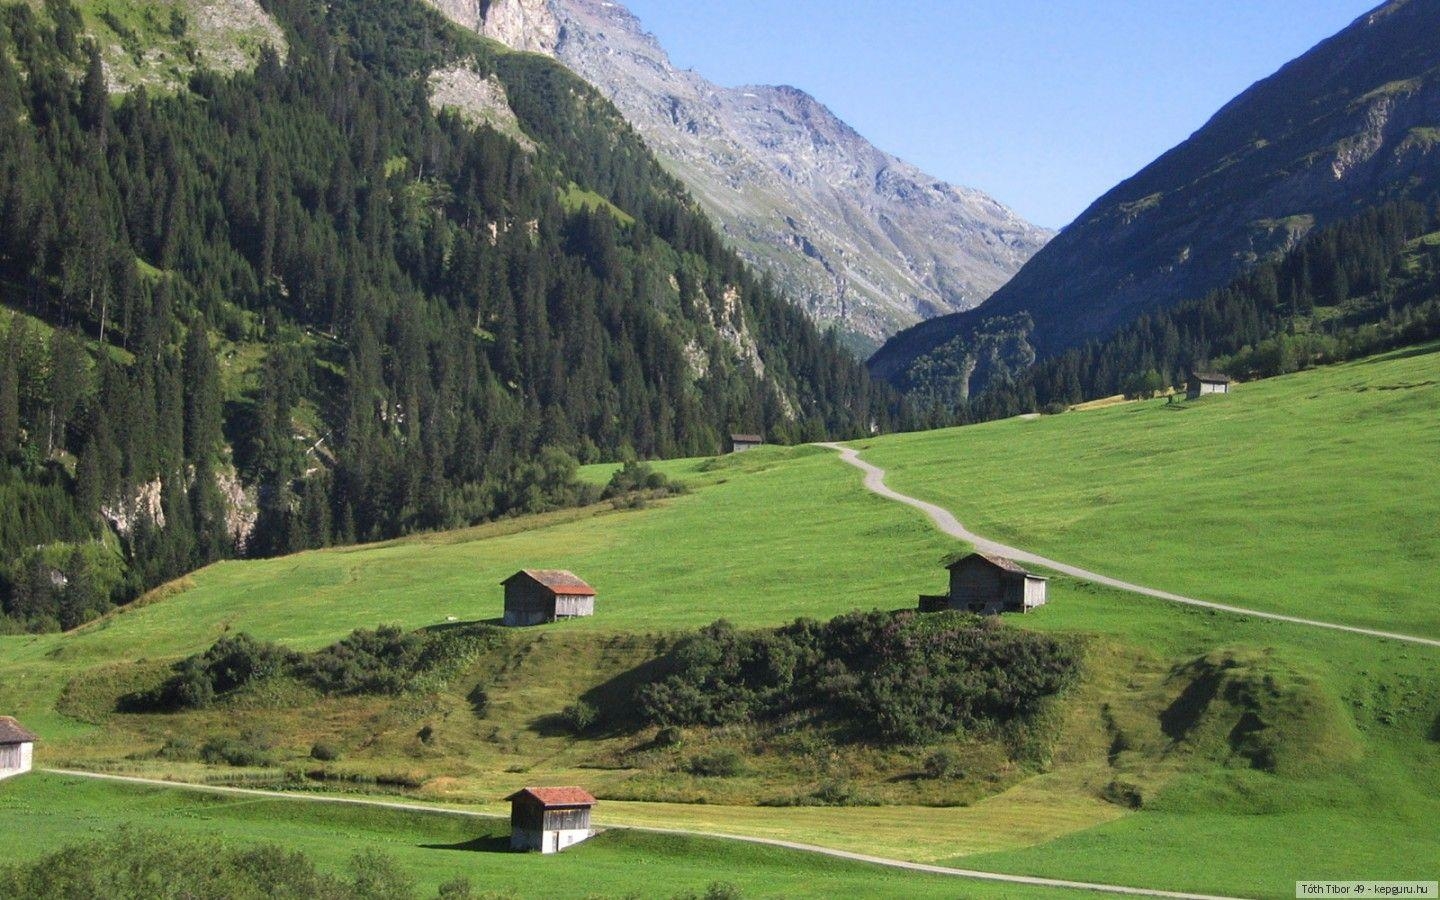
1359,287
299,307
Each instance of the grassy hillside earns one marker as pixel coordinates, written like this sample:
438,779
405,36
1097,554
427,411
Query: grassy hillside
435,848
1311,494
1288,752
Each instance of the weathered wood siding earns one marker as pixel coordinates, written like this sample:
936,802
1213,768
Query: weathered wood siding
977,587
1197,389
1035,591
528,602
533,827
573,607
567,819
15,759
527,813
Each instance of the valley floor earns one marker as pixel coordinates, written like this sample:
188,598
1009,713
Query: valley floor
1205,751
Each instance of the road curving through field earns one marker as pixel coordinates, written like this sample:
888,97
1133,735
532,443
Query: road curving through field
947,523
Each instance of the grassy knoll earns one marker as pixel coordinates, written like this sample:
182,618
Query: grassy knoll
1312,494
435,848
775,535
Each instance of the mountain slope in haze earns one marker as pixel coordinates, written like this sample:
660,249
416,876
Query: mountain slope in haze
1352,123
858,237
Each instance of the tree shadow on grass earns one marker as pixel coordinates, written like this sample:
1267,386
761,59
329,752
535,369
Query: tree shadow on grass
616,712
490,843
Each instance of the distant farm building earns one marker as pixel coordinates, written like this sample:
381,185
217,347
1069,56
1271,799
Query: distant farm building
17,748
989,585
1202,383
549,819
536,596
739,443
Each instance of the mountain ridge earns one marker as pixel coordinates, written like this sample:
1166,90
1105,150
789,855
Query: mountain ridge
1349,124
857,236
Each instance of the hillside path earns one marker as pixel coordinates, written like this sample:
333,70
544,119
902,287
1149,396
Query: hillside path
770,842
946,522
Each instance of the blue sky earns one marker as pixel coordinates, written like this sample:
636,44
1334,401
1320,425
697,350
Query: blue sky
1045,104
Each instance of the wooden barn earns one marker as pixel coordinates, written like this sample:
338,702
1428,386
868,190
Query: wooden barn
17,748
1202,383
989,585
536,596
549,819
739,443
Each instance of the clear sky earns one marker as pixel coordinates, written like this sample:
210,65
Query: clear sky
1045,104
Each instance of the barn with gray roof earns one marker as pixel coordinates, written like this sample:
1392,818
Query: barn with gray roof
989,585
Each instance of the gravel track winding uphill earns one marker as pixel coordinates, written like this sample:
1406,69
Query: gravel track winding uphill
946,522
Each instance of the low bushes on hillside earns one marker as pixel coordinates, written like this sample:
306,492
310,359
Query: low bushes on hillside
899,678
636,483
384,661
136,865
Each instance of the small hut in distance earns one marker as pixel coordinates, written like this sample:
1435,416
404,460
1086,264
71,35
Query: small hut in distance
536,596
739,443
17,748
989,585
549,819
1202,383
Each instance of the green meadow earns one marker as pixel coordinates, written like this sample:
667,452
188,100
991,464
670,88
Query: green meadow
434,848
1203,751
1314,494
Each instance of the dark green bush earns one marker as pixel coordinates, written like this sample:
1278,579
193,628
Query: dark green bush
324,752
580,716
230,664
894,677
246,750
384,661
942,764
722,763
129,864
635,482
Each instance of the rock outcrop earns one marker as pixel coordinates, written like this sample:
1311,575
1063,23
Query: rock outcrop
859,237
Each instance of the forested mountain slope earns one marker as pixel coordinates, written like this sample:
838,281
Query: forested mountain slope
1352,123
1369,284
300,306
860,238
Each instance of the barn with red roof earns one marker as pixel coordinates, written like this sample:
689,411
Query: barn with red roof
549,819
536,596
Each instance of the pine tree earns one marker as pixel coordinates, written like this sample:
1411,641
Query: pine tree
203,412
10,388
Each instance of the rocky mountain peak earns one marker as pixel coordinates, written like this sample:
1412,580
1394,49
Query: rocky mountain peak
858,237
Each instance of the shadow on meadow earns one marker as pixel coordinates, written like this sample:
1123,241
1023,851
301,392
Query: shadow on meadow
488,843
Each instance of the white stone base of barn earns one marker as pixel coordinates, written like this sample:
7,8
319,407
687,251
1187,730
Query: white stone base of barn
16,759
552,841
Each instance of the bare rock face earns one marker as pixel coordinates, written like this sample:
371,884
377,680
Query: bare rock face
858,237
529,25
480,100
182,35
